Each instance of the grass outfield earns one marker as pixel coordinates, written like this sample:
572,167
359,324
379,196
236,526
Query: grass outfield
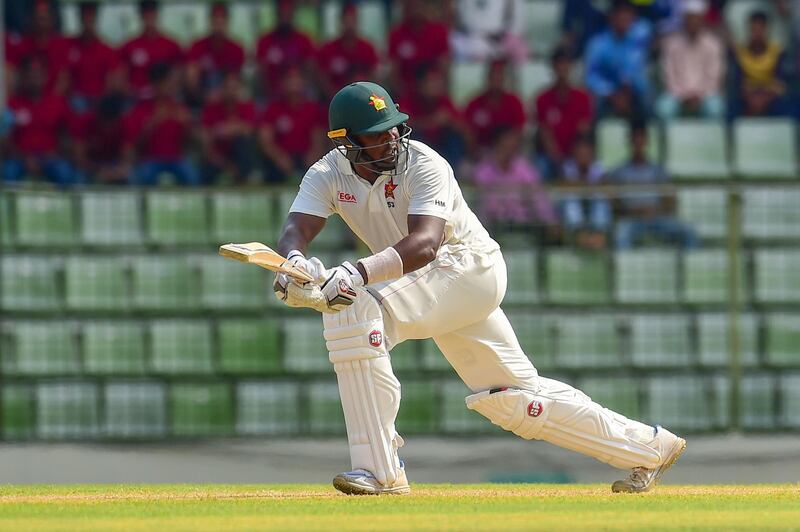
430,507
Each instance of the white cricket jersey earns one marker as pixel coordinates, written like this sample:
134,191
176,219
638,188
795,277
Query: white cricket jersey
377,213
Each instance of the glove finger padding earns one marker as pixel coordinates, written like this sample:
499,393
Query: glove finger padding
308,295
339,287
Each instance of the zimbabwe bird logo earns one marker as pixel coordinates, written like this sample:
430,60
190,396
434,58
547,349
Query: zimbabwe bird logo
388,188
377,102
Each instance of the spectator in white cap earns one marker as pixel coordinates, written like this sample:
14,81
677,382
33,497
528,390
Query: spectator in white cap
692,68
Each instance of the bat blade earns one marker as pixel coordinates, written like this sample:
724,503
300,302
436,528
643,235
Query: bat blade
264,256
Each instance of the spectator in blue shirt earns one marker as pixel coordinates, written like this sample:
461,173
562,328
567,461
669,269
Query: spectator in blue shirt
616,63
646,215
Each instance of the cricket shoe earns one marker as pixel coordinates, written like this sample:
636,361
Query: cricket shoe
642,479
363,482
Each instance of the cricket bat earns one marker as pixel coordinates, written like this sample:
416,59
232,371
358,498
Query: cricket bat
264,256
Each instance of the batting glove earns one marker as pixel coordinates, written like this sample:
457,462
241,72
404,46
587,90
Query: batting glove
339,287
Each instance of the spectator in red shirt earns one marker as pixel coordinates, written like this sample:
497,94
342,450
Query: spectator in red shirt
435,119
151,47
348,58
39,118
91,61
494,108
157,130
281,49
47,45
292,131
210,58
99,137
228,122
417,42
563,112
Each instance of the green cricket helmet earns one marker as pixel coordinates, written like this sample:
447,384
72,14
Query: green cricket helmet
364,108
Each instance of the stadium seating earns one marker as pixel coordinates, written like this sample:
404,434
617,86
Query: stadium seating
467,80
164,283
536,333
782,339
418,407
613,142
17,412
771,213
201,409
44,219
41,348
95,283
523,273
696,149
371,21
757,402
777,276
575,277
67,410
249,346
181,347
765,148
454,416
532,77
28,283
304,345
135,409
111,219
683,403
705,210
706,276
229,285
620,394
325,415
267,408
737,12
588,342
430,357
114,348
406,356
790,401
185,22
660,340
713,342
177,218
6,235
646,276
542,25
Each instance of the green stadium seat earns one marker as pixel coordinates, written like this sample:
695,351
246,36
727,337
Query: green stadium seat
588,341
613,145
118,22
714,350
431,357
758,402
165,283
29,283
696,149
765,148
242,25
185,22
244,217
267,408
67,410
418,407
542,25
6,235
574,277
249,346
455,417
778,275
523,276
181,347
232,285
790,401
681,403
114,348
706,276
17,412
660,341
111,218
467,80
41,348
95,283
783,339
646,276
177,218
531,78
304,348
705,210
536,334
771,213
306,19
45,219
201,409
408,355
135,410
620,394
325,415
371,21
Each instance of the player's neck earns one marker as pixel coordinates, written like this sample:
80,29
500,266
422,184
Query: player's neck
364,173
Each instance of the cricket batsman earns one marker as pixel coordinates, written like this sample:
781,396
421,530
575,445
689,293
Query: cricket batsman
434,273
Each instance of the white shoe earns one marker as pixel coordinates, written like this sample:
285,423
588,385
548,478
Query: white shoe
642,479
363,482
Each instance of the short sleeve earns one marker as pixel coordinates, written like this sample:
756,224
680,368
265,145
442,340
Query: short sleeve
315,197
431,189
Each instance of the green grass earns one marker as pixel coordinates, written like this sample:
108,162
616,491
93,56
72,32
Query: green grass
430,507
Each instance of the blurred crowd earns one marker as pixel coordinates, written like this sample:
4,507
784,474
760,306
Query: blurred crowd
81,111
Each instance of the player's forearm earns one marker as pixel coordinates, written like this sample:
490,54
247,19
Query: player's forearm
416,250
292,238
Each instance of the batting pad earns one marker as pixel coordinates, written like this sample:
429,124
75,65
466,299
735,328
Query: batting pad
564,416
369,390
